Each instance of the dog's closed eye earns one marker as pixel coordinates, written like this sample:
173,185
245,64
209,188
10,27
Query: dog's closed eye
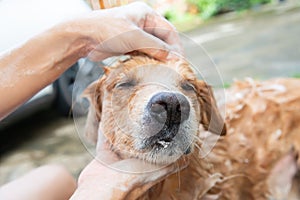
125,84
187,86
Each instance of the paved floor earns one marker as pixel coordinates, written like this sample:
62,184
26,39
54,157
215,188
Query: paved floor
45,138
260,46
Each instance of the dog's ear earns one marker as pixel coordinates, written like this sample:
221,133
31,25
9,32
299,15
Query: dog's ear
210,115
93,94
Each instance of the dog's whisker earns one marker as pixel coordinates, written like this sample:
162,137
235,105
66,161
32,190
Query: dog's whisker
227,178
197,146
198,139
196,158
178,175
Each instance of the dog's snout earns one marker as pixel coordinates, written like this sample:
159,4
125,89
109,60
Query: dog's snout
170,108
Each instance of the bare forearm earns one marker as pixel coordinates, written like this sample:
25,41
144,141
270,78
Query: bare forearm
37,63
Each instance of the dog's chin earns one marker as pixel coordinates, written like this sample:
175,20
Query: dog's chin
167,152
164,150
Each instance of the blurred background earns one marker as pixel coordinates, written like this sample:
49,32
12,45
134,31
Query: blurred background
244,38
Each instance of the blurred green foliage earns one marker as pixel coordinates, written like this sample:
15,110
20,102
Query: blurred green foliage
226,85
182,21
297,75
172,15
209,8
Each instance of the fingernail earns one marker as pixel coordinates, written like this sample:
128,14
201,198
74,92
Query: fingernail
159,54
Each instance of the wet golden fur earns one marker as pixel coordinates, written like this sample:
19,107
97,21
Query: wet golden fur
257,158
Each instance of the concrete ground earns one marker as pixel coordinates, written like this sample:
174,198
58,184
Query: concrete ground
259,45
46,138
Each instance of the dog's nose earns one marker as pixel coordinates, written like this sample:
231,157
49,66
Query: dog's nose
169,108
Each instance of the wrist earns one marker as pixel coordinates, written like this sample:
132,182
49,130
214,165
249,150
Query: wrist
74,41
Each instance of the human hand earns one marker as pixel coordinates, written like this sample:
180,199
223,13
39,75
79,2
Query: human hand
99,34
116,178
124,29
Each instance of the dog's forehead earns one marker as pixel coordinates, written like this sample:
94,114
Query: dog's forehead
150,70
153,73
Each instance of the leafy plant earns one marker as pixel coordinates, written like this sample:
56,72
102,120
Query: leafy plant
210,8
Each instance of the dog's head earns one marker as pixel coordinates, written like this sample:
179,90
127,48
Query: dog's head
151,110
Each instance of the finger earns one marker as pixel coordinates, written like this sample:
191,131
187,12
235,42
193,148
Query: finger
151,45
96,181
91,171
158,26
147,19
160,54
136,166
146,171
104,153
97,55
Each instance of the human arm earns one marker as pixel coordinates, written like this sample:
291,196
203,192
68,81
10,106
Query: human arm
41,60
47,182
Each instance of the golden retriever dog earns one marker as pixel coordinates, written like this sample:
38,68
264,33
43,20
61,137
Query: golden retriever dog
160,112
